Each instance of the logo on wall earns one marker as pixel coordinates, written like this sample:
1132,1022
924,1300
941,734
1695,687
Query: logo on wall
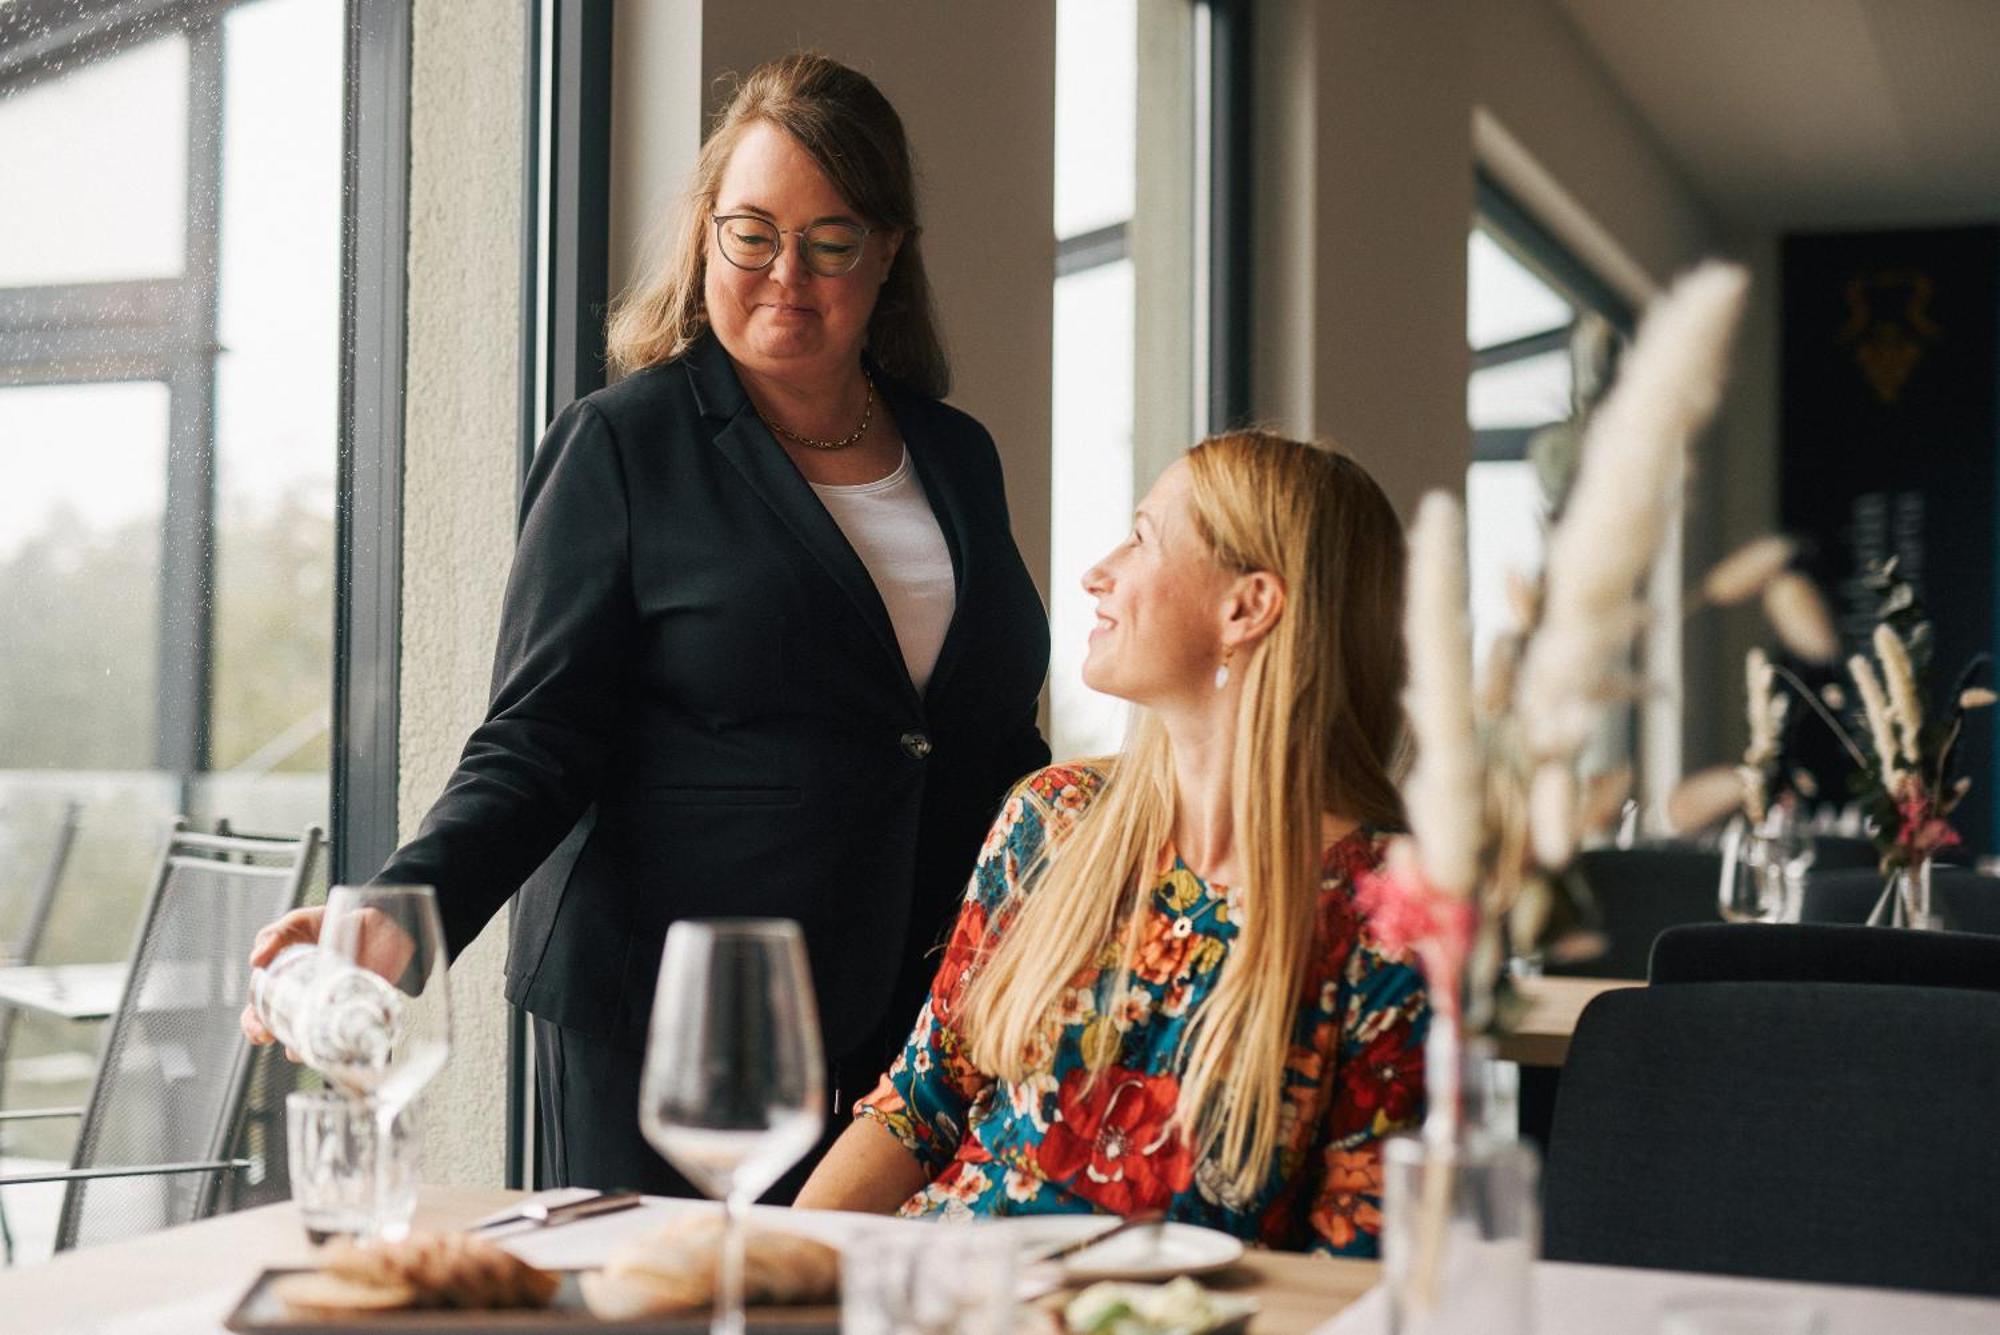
1889,326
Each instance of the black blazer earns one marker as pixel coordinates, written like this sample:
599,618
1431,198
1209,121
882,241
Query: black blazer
700,709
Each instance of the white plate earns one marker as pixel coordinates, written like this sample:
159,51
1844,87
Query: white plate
1141,1253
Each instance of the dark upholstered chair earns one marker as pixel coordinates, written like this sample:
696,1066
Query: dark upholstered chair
1639,893
1968,901
1825,1132
1818,953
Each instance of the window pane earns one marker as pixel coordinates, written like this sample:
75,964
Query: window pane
1503,535
79,545
1506,300
1092,490
277,413
1097,63
1531,392
96,169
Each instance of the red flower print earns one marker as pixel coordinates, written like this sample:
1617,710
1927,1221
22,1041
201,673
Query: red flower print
1386,1078
1348,1196
968,939
1111,1142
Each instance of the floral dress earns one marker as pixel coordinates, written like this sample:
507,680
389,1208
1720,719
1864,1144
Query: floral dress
1059,1143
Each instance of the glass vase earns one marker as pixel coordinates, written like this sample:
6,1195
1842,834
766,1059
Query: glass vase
1461,1218
1910,895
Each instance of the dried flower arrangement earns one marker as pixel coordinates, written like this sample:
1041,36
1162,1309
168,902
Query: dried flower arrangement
1495,802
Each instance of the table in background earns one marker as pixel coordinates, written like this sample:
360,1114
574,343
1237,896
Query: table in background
1554,1003
67,991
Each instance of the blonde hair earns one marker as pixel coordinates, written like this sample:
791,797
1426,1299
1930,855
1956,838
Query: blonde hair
854,136
1319,729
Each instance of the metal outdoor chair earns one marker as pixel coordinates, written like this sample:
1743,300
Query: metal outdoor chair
153,1146
23,948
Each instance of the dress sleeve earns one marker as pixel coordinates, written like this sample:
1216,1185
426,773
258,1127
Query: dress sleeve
1378,1089
933,1087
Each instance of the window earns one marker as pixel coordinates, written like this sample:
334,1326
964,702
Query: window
1146,297
1542,330
170,260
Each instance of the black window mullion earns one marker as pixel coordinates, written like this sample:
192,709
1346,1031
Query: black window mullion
187,548
369,502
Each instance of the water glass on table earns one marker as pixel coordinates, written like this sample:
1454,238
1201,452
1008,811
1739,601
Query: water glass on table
929,1279
342,1182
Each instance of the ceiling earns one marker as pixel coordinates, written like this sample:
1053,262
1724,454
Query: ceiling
1815,113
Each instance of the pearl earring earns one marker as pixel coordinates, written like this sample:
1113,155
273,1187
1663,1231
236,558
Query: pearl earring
1222,673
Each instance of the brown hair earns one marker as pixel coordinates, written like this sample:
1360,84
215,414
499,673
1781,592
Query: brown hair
854,136
1319,729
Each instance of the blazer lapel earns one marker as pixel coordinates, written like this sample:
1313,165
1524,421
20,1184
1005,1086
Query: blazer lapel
749,445
945,485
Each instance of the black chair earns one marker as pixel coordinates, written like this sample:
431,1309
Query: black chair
1825,1132
1818,953
1639,893
1843,852
1966,900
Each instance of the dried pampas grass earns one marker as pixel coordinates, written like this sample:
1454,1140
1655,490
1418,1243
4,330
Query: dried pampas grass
1442,795
1623,501
1798,613
1742,575
1705,797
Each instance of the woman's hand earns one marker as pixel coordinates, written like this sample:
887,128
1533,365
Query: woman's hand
300,927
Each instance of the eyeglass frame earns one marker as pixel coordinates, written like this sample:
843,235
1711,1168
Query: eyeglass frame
717,219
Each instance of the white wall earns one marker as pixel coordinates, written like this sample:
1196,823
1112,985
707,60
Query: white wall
975,86
459,480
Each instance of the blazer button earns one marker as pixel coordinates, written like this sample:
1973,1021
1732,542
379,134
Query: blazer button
916,746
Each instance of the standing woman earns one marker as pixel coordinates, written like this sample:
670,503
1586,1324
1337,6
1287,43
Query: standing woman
767,648
1161,994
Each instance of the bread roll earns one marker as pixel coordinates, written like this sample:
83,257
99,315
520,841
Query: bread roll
672,1269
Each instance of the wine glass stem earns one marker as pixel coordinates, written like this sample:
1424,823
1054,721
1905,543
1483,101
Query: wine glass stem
386,1223
728,1318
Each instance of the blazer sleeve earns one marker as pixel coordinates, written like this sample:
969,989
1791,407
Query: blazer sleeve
559,681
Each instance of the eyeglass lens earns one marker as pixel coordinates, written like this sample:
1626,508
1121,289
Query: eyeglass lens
831,249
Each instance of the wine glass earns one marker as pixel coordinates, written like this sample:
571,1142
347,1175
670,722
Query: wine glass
732,1092
388,1013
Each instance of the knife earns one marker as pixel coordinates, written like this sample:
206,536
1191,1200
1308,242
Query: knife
543,1215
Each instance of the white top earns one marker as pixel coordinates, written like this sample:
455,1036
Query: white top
889,524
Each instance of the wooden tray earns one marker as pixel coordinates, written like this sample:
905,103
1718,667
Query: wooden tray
261,1312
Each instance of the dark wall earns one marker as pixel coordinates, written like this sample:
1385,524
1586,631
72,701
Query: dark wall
1890,426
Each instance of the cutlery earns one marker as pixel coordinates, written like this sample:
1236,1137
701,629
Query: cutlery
1154,1219
543,1215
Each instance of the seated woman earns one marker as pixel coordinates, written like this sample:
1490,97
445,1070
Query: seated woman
1160,994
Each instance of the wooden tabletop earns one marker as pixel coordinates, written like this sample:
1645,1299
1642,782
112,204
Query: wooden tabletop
185,1280
1542,1037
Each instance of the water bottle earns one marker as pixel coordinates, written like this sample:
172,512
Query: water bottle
341,1019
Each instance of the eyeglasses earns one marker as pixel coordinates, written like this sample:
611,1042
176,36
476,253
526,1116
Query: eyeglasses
830,249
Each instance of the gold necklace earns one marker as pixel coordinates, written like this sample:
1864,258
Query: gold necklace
867,413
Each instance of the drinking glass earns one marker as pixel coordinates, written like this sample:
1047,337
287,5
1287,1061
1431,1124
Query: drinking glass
335,1155
1745,1314
732,1091
1753,875
926,1279
393,1013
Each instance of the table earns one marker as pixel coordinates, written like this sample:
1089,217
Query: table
184,1281
1542,1037
66,991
